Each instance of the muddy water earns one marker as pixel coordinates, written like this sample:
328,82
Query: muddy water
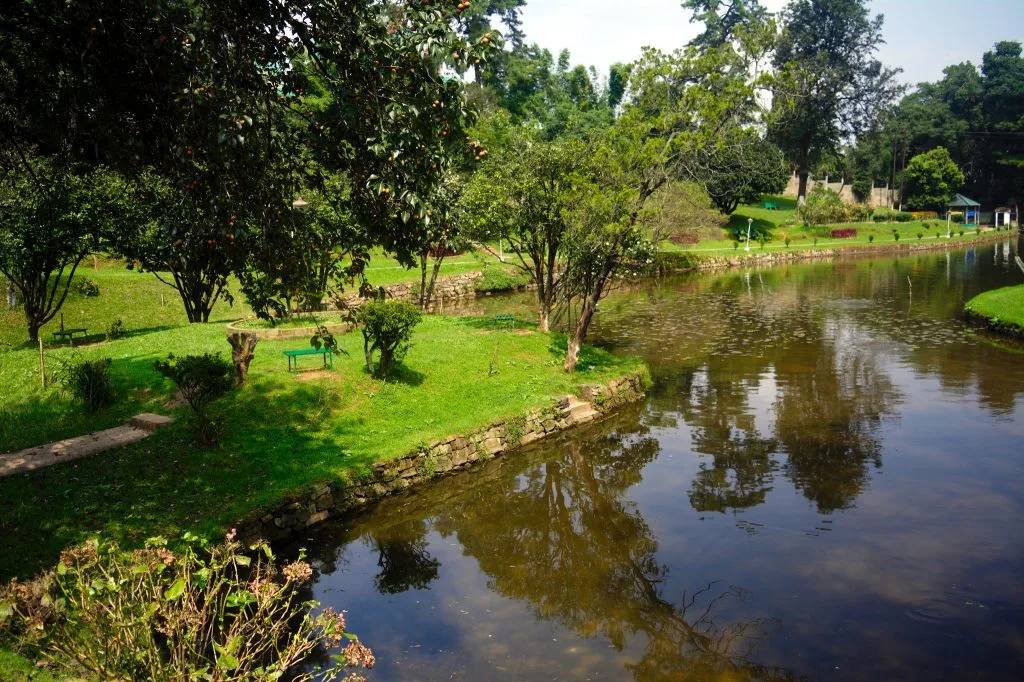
826,482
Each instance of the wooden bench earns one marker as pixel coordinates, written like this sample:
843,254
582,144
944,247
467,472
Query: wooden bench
294,355
69,334
506,319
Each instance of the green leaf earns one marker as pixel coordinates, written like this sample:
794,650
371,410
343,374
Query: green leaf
175,590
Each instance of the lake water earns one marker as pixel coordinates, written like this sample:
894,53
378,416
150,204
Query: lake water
826,482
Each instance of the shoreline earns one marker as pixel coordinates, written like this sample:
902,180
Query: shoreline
450,455
687,261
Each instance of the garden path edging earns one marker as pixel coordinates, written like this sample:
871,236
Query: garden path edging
442,457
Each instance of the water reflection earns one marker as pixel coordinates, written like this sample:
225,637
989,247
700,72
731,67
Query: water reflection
847,397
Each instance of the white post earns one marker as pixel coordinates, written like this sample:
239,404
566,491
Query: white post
750,221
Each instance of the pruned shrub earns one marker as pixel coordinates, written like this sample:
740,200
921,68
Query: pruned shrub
201,379
116,330
845,233
860,213
201,613
888,215
89,381
387,328
87,287
920,235
895,235
871,238
823,207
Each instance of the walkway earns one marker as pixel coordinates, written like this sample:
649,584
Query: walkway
69,449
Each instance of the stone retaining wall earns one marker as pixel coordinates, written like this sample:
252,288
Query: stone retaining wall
446,288
683,261
440,458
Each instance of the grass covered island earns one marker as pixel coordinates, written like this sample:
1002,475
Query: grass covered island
1002,310
280,433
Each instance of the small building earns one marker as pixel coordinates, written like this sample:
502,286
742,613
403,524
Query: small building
969,208
1003,217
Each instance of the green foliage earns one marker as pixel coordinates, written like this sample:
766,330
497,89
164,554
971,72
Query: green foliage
743,173
500,280
89,382
202,612
889,215
830,85
387,329
201,379
116,330
86,287
50,217
823,207
932,179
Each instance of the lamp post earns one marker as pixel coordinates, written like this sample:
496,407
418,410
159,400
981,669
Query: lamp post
750,221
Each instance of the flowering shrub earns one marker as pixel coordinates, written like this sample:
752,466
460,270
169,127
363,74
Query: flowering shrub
845,233
823,207
209,613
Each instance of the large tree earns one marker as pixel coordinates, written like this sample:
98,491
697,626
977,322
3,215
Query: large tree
51,218
932,179
831,86
212,97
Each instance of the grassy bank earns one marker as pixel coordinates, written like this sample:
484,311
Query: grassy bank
281,432
1002,310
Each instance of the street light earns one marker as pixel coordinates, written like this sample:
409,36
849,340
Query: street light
750,221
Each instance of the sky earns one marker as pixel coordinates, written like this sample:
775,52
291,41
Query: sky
922,36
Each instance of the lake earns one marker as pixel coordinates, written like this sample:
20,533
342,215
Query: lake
826,481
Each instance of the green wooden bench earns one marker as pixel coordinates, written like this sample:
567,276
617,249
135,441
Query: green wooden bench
506,319
69,334
771,206
294,355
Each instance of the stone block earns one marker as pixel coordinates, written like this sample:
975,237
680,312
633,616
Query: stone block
317,518
493,446
147,421
529,437
325,501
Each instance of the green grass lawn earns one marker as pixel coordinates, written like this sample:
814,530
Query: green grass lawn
282,432
783,222
1003,309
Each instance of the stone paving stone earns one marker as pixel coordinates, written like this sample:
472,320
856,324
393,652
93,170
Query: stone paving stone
70,449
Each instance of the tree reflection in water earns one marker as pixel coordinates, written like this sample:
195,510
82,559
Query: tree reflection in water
560,534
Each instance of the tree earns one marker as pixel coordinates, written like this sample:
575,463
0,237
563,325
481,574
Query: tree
386,327
522,195
722,18
743,173
443,234
50,219
213,98
830,85
932,179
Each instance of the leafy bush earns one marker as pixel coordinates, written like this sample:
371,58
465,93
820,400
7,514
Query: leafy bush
860,213
823,207
871,238
845,233
199,614
895,235
116,330
957,218
87,287
201,379
501,279
89,381
888,215
961,232
386,327
924,215
920,235
786,240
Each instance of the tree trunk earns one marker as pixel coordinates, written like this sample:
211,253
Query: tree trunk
803,172
572,352
545,314
243,348
433,279
33,332
423,282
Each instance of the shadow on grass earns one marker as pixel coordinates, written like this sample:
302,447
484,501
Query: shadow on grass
273,444
504,322
591,359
